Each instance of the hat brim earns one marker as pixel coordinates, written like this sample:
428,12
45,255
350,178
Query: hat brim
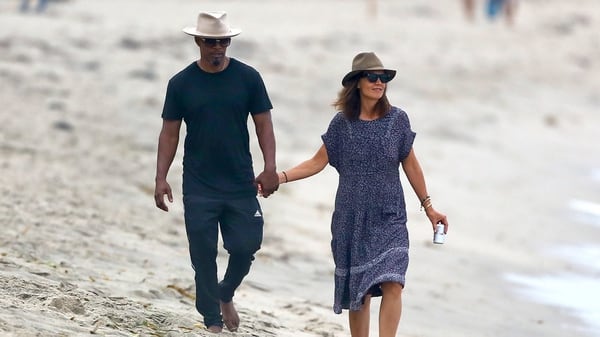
351,75
194,32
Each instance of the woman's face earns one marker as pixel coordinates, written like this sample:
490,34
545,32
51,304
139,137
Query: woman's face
372,84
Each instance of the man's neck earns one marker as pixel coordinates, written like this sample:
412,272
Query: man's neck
212,68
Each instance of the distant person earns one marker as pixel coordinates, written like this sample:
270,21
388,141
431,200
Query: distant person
496,8
493,9
41,5
372,8
366,142
469,9
215,95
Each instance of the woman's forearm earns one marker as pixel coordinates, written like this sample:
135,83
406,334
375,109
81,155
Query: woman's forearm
415,176
307,168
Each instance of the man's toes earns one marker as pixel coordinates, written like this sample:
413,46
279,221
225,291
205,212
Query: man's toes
215,328
230,316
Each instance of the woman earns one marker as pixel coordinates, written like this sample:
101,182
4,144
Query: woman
366,142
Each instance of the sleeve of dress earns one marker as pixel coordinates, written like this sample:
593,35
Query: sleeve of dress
332,140
407,135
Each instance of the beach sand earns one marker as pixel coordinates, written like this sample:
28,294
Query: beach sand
506,121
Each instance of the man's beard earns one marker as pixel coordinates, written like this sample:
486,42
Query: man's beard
216,61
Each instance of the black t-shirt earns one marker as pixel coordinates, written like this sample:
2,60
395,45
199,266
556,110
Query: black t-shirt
215,108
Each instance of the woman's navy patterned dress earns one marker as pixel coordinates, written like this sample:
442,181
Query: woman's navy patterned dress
369,234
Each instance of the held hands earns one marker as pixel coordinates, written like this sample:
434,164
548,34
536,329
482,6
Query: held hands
161,188
267,183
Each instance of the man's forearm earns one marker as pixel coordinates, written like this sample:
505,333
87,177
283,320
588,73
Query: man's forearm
266,141
167,147
267,146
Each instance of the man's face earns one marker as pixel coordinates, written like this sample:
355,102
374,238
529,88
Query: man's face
213,50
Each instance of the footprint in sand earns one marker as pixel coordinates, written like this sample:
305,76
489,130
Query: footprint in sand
322,328
67,304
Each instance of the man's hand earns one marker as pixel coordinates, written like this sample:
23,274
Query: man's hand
268,182
161,188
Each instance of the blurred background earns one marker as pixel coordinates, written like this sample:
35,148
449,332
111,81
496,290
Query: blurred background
506,107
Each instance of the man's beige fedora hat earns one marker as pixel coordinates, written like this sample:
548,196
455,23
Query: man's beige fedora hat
212,25
364,62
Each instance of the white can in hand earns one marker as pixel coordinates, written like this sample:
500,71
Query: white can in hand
438,236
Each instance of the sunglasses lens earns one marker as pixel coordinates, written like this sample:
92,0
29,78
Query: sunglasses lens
213,42
384,78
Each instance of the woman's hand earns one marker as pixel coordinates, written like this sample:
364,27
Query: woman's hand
436,217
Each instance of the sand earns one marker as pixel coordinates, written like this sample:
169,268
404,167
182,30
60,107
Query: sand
506,119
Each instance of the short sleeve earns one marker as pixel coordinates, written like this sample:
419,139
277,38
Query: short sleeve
407,135
259,101
332,139
172,107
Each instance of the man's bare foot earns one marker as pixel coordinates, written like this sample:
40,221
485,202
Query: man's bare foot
230,316
215,329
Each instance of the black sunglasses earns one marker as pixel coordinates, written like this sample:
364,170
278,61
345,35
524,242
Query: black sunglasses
372,77
213,42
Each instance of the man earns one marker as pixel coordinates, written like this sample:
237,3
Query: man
214,96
